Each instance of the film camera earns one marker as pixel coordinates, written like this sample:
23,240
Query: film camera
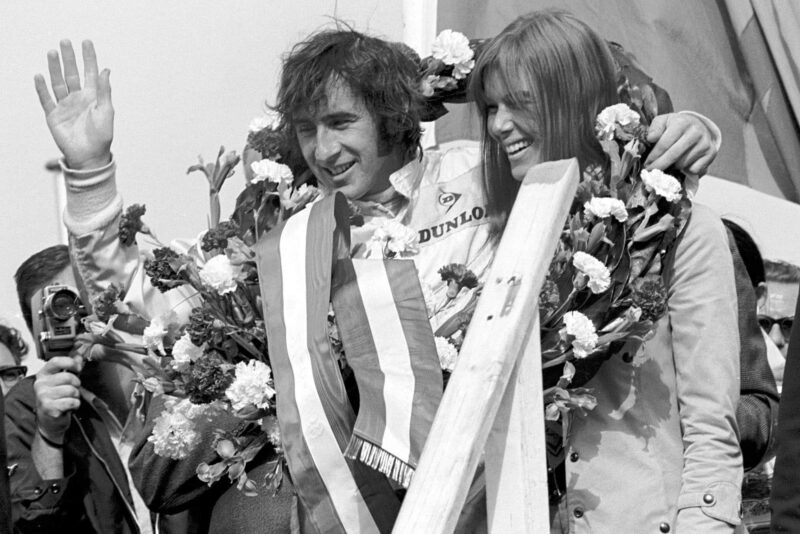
59,320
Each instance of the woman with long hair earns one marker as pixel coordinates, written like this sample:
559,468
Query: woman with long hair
659,451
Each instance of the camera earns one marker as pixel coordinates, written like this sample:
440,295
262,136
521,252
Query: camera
59,320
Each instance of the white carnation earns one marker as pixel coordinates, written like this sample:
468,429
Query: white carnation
620,114
396,238
599,276
272,171
174,434
602,207
251,385
153,335
270,119
218,273
184,352
663,184
452,48
448,354
581,329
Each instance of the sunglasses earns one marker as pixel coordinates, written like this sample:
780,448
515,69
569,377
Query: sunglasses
785,323
12,375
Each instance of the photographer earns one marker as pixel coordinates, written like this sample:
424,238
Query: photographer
68,429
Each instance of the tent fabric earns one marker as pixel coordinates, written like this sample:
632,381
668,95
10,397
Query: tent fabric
735,61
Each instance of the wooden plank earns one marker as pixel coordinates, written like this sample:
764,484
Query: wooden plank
500,327
516,459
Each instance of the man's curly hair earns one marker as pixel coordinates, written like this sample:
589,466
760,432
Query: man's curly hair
383,74
11,338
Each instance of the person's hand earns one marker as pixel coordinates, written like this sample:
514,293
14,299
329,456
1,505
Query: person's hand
81,120
683,140
57,395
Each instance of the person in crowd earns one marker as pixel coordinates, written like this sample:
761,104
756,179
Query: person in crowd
776,301
754,263
12,349
785,497
669,458
67,444
352,102
757,413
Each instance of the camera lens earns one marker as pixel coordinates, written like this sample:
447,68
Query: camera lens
63,304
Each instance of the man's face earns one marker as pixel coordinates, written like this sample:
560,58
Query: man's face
65,277
10,373
340,141
780,302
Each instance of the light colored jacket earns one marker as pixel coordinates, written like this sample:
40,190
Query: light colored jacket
660,452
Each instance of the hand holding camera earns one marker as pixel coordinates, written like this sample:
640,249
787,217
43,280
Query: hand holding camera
57,395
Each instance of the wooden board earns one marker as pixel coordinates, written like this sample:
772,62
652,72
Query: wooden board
499,332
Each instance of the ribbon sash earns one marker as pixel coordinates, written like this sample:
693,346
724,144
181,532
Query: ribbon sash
314,415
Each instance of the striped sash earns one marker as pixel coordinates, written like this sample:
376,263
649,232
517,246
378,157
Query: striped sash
388,342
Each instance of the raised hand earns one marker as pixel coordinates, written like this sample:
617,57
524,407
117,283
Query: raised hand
683,140
81,120
57,395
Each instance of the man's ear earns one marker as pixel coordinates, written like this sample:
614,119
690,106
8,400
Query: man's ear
762,294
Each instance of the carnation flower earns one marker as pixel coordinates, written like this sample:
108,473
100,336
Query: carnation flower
208,378
580,331
457,276
663,184
602,207
184,352
174,434
271,171
130,223
270,119
204,328
153,335
597,273
448,354
610,117
452,48
217,237
219,274
650,296
391,239
251,386
160,270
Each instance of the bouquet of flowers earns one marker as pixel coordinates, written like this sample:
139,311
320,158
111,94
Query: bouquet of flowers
604,287
217,361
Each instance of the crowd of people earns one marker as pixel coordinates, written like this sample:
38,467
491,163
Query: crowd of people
679,415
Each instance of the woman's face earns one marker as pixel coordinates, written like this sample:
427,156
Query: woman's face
511,126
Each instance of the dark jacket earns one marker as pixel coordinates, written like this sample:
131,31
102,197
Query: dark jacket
757,411
169,486
785,498
94,496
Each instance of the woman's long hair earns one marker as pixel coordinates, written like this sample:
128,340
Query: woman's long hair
559,74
